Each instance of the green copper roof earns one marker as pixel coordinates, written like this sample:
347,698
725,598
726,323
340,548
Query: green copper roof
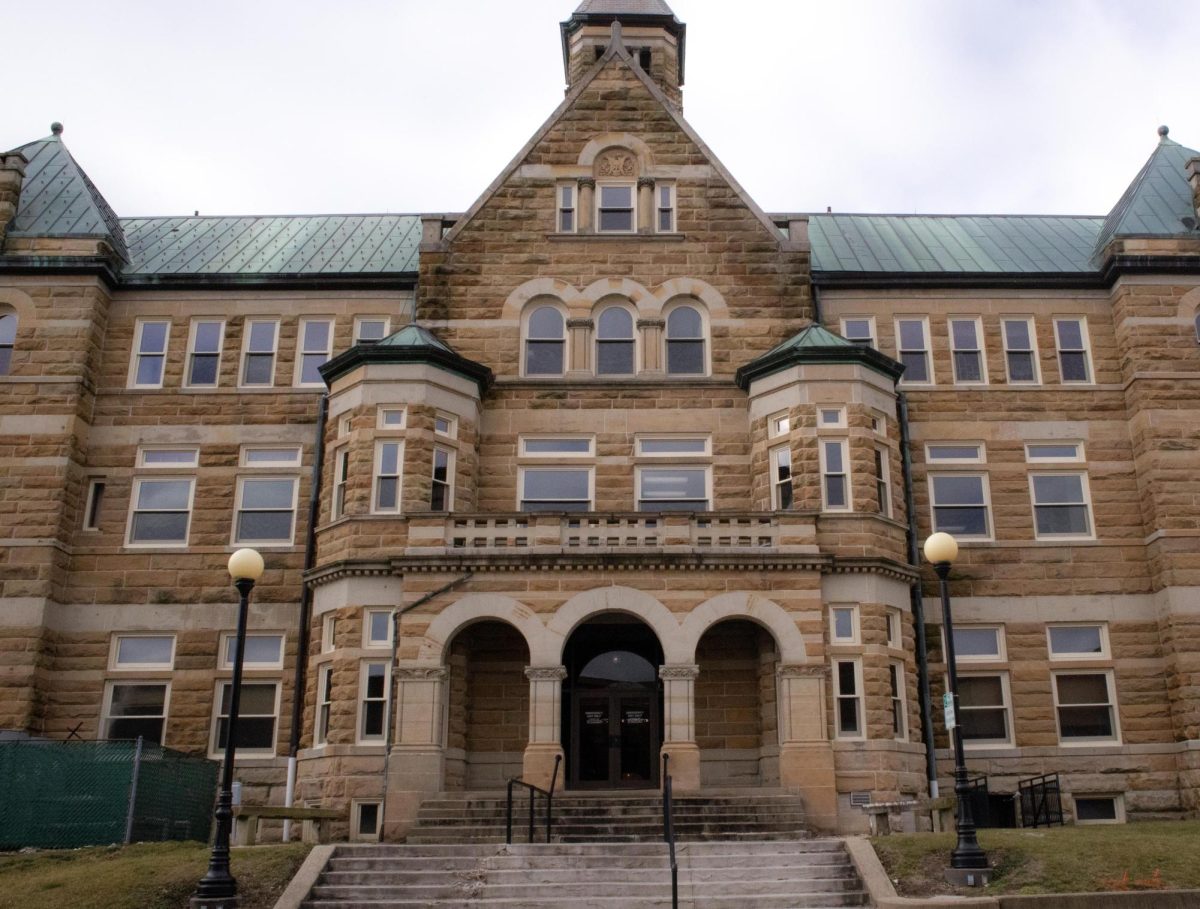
815,344
812,336
413,335
59,200
411,344
1157,201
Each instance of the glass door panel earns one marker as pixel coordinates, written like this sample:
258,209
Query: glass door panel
636,719
594,721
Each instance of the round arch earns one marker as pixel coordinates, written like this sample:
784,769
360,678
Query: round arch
641,298
695,288
637,603
562,291
19,301
605,141
478,607
742,605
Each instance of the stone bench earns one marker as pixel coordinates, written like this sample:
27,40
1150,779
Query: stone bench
315,821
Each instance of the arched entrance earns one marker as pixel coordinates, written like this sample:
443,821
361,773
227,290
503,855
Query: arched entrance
612,704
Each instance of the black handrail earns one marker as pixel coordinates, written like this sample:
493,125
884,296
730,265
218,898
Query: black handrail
669,831
533,793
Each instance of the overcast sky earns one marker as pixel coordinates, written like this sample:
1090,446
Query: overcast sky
307,106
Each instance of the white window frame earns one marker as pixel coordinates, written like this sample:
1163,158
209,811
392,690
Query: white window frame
359,320
451,421
883,479
377,476
844,473
931,456
356,834
1032,458
329,632
133,511
1086,494
341,474
927,350
106,707
294,458
633,209
237,510
372,643
779,424
114,653
138,353
1104,654
640,440
705,339
302,351
659,187
523,471
1006,704
560,190
855,625
1117,798
979,350
97,487
524,452
143,463
776,455
838,697
247,331
344,425
381,419
191,352
633,340
894,628
1001,654
708,483
563,341
898,699
838,414
986,504
360,736
873,340
324,705
1085,741
448,483
228,637
216,751
1032,350
1085,340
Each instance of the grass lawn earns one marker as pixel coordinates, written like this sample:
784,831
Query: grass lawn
142,876
1054,860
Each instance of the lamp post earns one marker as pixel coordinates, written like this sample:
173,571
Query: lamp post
218,889
968,861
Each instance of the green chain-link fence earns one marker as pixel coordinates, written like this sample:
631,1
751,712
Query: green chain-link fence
68,794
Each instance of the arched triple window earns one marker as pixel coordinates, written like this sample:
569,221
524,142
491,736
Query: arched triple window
545,346
8,336
685,342
614,343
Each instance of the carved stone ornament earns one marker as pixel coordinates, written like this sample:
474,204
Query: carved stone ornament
420,673
800,670
616,164
671,673
545,673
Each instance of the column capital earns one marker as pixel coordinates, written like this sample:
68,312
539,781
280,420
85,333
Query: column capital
651,323
420,673
545,673
645,181
589,182
678,671
800,670
583,322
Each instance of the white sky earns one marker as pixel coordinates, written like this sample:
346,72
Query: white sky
300,106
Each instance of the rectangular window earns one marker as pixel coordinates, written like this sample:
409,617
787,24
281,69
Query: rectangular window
843,625
912,343
365,817
136,709
896,690
389,457
1054,452
91,508
860,330
781,478
666,446
983,709
344,425
149,353
1077,642
665,193
445,425
390,418
960,505
672,489
204,353
161,512
258,352
847,679
966,351
270,457
264,650
371,329
1085,707
316,346
615,207
377,628
1061,506
328,633
566,208
373,697
835,476
978,643
441,491
556,489
883,483
142,651
779,424
1020,351
1099,809
1074,362
564,446
168,457
266,510
341,473
893,618
955,454
257,711
324,703
831,417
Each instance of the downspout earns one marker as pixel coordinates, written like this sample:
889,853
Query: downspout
918,606
816,299
391,711
310,555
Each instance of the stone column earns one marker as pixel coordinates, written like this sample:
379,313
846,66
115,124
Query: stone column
805,753
545,725
652,346
679,722
579,337
587,205
415,766
645,213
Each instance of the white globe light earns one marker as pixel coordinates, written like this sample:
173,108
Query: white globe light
246,565
941,547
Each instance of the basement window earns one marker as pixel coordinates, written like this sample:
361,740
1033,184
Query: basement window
366,818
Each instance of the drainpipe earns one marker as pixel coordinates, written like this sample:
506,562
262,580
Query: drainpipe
310,554
918,606
816,300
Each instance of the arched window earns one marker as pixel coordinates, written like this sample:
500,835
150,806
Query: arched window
614,343
685,342
8,335
544,347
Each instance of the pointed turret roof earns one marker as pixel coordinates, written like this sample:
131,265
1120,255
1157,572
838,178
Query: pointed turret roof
624,8
816,344
1158,202
410,344
413,335
59,200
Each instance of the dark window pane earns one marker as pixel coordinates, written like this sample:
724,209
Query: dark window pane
149,729
964,335
967,366
310,368
956,490
5,360
1085,722
137,700
372,718
1052,489
618,220
916,368
1017,335
262,337
208,337
546,323
685,358
785,496
848,715
1020,367
165,494
674,446
439,496
976,642
983,724
264,525
961,521
260,369
1064,519
149,370
981,691
551,505
252,732
685,322
386,496
8,330
1095,809
1082,689
912,335
835,492
1076,639
154,337
558,446
204,370
159,527
138,649
268,494
1074,366
673,483
368,819
616,196
833,457
846,679
557,485
567,220
1070,335
543,358
615,324
665,217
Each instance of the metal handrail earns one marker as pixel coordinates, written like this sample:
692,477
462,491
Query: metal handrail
669,831
533,794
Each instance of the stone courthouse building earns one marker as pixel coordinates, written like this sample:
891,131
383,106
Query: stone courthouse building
614,464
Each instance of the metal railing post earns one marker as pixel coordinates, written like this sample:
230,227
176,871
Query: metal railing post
133,788
508,816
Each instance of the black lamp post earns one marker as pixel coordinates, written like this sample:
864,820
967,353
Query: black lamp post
218,889
968,861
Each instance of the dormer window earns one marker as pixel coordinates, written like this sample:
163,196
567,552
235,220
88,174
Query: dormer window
615,207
